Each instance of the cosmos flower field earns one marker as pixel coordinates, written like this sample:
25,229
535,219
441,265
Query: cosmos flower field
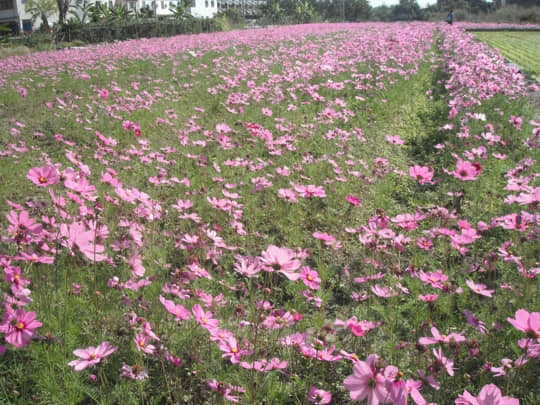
333,213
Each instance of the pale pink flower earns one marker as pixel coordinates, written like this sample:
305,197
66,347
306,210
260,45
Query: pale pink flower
367,382
180,313
528,323
318,396
423,174
91,355
489,395
480,289
444,361
438,338
282,260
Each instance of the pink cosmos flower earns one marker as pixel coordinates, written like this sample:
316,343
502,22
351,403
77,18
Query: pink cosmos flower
423,174
43,176
91,355
480,289
466,170
444,361
205,319
18,326
310,277
179,312
438,338
474,321
354,201
528,323
103,93
394,139
282,260
516,121
367,382
489,395
318,396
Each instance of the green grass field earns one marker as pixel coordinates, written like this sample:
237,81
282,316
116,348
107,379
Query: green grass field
522,48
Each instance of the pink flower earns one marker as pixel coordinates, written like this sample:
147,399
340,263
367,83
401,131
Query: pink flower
466,170
91,355
318,396
394,139
179,312
489,395
43,176
438,338
367,382
444,361
516,121
355,201
310,277
480,289
282,260
18,326
103,93
528,323
205,319
423,174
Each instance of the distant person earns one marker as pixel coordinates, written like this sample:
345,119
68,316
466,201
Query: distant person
450,17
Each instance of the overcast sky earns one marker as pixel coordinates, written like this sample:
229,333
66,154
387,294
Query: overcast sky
376,3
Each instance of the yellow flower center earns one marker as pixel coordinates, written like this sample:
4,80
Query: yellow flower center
43,180
19,326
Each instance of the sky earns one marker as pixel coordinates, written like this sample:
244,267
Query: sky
376,3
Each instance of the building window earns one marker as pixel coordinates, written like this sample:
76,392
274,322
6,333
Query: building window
212,4
132,5
163,5
6,4
206,3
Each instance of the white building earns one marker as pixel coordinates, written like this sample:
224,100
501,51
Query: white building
14,15
204,8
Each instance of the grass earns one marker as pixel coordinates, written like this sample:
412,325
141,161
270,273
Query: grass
522,48
336,93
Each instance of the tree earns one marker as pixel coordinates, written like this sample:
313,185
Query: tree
63,8
181,11
81,11
41,9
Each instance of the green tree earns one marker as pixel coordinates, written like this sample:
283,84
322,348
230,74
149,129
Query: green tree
63,8
181,10
41,9
81,11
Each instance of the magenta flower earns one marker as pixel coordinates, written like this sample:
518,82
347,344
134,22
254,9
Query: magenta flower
91,355
43,176
354,201
18,326
367,382
489,395
318,396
